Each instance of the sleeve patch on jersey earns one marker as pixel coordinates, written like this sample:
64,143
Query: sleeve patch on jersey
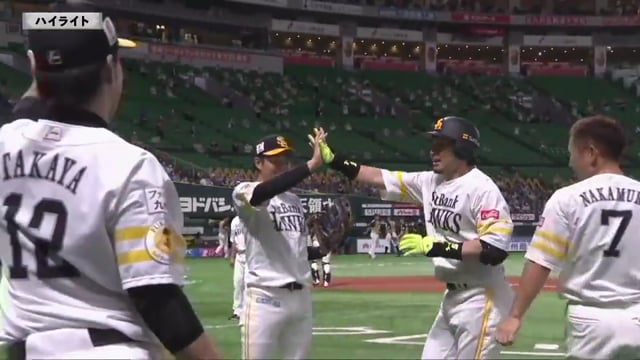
489,214
156,203
164,245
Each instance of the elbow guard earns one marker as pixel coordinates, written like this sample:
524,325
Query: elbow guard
167,312
491,255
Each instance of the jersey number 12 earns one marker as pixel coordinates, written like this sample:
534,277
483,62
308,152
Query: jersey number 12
625,219
45,249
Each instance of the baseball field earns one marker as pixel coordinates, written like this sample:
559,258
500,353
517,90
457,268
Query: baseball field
376,309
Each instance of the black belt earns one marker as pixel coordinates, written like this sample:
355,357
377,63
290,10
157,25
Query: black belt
456,286
292,286
99,337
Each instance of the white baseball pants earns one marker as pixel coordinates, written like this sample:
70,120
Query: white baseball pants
603,333
277,323
238,287
374,244
76,344
466,323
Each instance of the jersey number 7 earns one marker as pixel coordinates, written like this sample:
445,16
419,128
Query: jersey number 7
625,219
45,249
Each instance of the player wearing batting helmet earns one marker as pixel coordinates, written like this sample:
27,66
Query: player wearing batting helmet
456,133
468,233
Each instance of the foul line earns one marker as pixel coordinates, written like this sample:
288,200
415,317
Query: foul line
405,340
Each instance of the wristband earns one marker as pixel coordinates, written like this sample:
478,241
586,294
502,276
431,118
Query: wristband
447,250
349,168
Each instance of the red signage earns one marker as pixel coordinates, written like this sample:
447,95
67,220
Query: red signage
308,59
472,67
487,30
480,17
566,70
559,20
199,53
389,65
621,20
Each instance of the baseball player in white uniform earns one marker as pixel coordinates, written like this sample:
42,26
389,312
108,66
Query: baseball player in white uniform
277,317
223,236
90,224
589,234
238,261
468,235
392,236
374,232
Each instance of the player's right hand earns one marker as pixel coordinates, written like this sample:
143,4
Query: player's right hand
507,331
325,150
416,244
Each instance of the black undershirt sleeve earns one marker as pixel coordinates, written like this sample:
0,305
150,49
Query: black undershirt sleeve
167,312
279,184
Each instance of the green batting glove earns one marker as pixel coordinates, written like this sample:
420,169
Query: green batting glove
325,150
415,244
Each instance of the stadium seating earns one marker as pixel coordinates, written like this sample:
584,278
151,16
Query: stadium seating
205,140
589,96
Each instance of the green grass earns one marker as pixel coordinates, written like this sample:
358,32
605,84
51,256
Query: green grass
399,314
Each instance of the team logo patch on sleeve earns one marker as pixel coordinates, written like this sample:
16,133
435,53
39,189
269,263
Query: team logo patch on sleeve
489,214
164,245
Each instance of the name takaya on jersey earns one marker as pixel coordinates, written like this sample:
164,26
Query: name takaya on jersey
588,233
85,216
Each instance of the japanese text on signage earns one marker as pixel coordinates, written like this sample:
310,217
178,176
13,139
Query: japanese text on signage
199,53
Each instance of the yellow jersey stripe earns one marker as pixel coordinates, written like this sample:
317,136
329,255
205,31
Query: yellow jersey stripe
486,314
404,190
494,226
132,233
403,187
492,221
134,257
552,237
498,230
548,250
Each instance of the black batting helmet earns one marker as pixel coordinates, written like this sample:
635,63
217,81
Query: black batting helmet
465,134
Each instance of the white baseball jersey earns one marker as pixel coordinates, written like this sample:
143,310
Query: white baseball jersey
466,208
589,232
85,216
223,234
238,238
392,228
276,238
374,227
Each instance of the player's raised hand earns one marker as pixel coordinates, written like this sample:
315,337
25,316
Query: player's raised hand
507,331
316,143
325,150
416,244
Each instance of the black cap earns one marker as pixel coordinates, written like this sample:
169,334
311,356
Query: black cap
59,50
272,145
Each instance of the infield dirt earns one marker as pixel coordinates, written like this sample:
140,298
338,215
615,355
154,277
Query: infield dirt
407,284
